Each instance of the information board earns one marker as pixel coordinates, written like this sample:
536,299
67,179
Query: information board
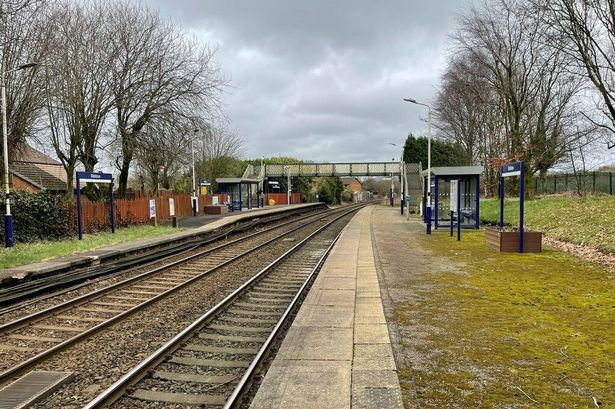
171,207
152,208
453,196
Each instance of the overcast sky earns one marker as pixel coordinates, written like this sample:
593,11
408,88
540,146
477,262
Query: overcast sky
324,80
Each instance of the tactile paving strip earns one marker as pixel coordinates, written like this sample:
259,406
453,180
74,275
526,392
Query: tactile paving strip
31,388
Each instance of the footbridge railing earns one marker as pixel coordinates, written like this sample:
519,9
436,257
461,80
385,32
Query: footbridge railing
336,169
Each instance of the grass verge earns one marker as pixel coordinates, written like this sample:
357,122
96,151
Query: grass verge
578,220
503,330
26,253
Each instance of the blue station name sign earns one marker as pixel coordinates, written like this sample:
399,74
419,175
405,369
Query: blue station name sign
95,177
511,169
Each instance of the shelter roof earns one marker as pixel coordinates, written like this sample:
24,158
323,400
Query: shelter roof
236,180
455,170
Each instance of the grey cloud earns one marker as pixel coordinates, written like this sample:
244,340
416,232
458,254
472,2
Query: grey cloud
324,79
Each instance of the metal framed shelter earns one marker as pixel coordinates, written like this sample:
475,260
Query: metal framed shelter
242,192
469,191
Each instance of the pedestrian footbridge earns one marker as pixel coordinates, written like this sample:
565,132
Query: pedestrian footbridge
409,173
331,169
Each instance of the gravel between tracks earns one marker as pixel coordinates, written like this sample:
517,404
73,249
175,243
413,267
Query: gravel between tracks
105,357
105,282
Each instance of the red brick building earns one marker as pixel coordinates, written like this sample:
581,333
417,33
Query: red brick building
33,171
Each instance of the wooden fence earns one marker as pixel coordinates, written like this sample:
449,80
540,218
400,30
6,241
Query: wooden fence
95,215
282,198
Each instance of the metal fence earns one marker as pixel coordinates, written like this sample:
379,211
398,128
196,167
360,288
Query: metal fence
587,182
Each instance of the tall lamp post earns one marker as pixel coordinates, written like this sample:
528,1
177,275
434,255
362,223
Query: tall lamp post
428,209
402,178
287,168
8,217
194,197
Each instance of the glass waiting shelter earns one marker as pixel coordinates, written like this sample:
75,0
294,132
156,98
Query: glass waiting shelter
469,184
242,193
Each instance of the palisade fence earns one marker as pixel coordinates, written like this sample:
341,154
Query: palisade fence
586,182
95,215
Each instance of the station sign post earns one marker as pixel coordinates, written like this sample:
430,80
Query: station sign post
507,170
104,178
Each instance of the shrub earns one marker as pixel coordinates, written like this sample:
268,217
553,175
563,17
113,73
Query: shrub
39,216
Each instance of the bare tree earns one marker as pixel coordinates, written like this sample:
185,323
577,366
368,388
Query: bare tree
588,28
467,114
79,96
20,43
531,79
218,146
161,151
159,70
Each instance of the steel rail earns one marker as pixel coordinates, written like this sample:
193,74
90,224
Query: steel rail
116,390
47,312
245,379
29,363
19,291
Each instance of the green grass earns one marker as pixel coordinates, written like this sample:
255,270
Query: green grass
498,325
26,253
579,220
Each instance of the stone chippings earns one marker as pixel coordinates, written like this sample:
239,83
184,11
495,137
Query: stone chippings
105,357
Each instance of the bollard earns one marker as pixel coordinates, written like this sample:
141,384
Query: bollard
174,222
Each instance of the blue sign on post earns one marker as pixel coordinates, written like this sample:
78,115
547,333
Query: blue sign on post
92,177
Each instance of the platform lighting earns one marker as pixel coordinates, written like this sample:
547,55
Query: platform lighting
404,181
194,205
8,218
287,169
428,209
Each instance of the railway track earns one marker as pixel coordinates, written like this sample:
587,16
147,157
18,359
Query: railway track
14,297
211,362
28,341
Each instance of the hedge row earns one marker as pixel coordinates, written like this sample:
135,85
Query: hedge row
40,216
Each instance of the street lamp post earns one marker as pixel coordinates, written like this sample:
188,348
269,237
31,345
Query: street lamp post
287,168
428,209
194,204
391,198
8,217
402,177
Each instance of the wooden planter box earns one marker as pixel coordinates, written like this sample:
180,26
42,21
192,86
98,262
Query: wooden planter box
508,241
215,209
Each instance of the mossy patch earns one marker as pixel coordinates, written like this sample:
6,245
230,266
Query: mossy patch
507,329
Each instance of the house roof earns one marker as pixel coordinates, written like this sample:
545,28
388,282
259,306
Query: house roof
349,179
30,155
37,177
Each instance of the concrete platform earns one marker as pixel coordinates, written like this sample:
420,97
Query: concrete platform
337,353
196,227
